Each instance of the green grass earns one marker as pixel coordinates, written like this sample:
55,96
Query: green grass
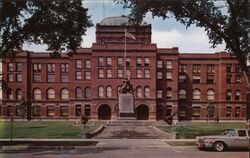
189,130
181,143
46,129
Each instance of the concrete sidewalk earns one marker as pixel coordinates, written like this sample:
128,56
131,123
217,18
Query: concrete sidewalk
114,143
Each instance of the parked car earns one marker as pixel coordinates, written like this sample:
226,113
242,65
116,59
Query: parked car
233,138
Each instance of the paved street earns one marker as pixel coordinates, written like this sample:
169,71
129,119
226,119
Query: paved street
119,152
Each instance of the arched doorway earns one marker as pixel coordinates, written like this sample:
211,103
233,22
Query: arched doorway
104,112
142,112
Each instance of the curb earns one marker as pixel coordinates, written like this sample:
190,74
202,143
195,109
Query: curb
96,132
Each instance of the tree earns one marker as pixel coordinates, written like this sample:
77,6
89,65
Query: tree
229,23
22,108
58,24
210,110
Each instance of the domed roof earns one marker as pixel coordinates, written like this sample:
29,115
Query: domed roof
116,21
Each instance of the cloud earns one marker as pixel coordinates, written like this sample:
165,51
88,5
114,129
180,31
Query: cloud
190,41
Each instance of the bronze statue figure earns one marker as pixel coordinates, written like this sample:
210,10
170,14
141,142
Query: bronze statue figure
126,87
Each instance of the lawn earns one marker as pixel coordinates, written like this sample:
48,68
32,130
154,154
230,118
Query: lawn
189,130
47,129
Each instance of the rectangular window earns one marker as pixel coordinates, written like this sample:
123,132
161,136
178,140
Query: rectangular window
229,78
37,77
229,68
101,73
64,111
237,78
87,64
196,69
36,110
159,64
109,73
120,61
182,68
87,75
51,67
101,61
159,75
128,73
196,111
10,77
159,94
196,78
139,73
169,75
19,77
146,62
50,110
64,78
210,78
119,73
210,69
19,67
182,78
169,94
10,66
37,67
51,77
237,68
64,67
138,61
78,64
128,61
109,61
78,75
147,73
228,111
169,64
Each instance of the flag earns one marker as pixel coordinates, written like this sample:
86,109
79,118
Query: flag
129,35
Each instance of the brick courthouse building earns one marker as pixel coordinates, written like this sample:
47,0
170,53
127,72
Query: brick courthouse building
165,81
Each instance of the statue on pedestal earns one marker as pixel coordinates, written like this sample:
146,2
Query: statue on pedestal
126,87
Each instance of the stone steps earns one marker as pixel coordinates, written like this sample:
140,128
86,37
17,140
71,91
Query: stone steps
130,129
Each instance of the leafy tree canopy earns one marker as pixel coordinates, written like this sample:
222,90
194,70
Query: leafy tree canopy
57,23
231,26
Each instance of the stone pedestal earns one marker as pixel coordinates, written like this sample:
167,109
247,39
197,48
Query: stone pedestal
126,105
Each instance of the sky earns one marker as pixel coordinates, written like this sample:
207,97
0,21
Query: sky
166,33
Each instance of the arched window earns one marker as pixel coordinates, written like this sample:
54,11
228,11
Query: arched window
51,93
147,92
87,92
210,94
228,95
237,95
139,92
78,92
182,94
64,94
196,94
37,94
18,94
100,91
109,92
169,93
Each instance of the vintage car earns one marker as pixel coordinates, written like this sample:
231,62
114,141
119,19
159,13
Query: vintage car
233,138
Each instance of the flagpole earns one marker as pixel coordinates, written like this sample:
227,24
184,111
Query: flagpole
125,52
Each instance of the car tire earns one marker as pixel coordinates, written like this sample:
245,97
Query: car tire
219,146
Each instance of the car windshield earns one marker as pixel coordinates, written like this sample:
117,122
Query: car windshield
229,133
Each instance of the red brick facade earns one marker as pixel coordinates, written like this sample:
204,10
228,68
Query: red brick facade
165,81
